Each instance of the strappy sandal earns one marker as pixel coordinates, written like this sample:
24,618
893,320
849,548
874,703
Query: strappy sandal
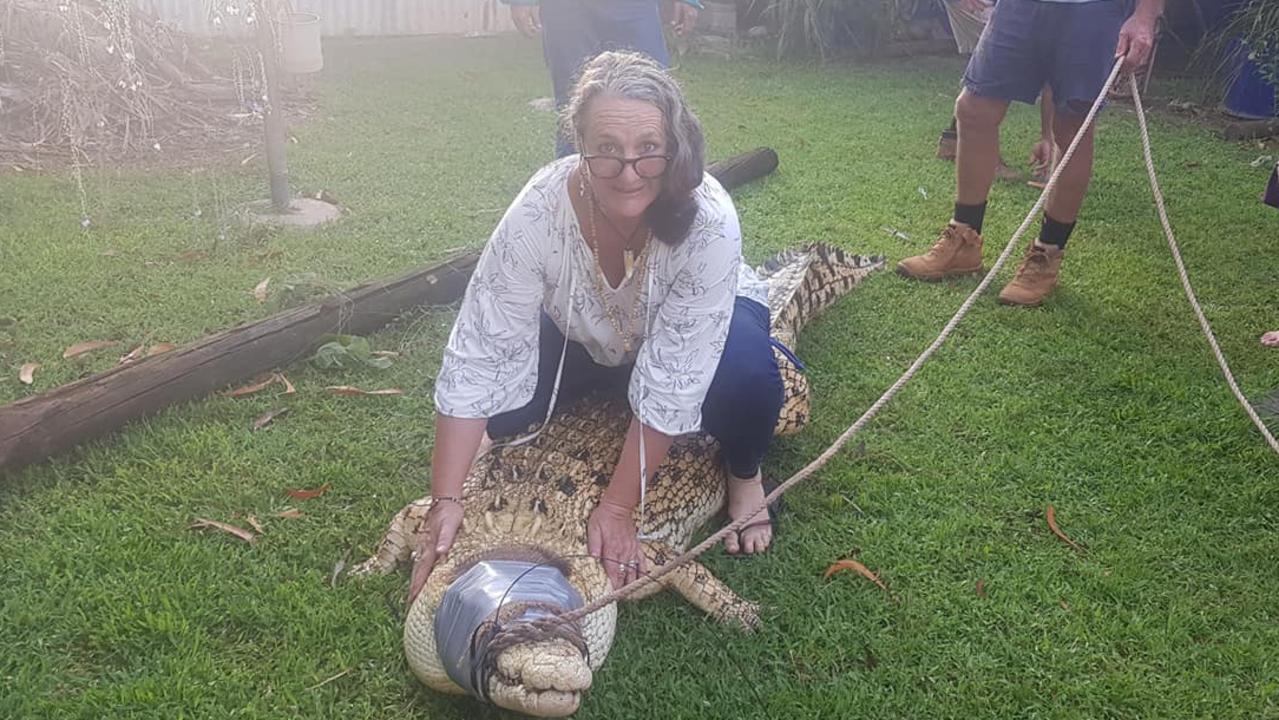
774,510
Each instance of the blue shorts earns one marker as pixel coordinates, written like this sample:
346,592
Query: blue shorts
1031,43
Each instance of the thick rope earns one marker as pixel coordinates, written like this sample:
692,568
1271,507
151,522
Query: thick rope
842,440
1185,279
870,413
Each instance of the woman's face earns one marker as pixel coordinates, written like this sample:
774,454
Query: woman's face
626,129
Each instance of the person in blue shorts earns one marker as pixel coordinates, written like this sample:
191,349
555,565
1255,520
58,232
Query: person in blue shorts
1070,45
574,31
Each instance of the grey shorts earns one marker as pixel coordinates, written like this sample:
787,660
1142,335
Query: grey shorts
1031,43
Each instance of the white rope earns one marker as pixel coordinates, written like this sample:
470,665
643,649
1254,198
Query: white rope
879,404
1185,279
945,333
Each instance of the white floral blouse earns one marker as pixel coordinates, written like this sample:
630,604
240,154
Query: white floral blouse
537,260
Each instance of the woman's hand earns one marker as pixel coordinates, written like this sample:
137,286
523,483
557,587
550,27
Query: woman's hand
442,522
611,537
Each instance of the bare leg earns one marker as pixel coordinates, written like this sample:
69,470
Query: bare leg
978,154
1068,195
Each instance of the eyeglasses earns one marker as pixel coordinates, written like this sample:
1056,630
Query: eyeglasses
607,167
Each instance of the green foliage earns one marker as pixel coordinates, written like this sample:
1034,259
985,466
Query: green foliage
346,352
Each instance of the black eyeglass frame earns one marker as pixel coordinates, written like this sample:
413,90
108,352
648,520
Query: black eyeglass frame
623,162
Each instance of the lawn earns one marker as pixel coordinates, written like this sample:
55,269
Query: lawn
1105,403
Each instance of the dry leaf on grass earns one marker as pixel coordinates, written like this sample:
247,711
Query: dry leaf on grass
256,525
981,588
288,386
268,417
86,347
158,348
309,494
290,513
134,354
259,292
259,384
27,373
201,523
1052,525
348,391
856,567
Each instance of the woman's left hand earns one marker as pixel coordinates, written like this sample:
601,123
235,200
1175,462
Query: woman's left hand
611,537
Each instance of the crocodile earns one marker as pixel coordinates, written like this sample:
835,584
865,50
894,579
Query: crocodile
529,504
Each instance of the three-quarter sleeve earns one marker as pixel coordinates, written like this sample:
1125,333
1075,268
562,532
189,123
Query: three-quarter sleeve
490,362
679,357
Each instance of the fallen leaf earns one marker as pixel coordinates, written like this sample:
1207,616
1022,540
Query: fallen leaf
1052,525
856,567
348,391
248,159
385,353
134,354
201,523
158,348
256,525
291,513
260,383
309,494
981,588
27,373
86,347
259,292
1064,605
267,417
288,386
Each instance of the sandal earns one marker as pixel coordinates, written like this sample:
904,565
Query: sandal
773,510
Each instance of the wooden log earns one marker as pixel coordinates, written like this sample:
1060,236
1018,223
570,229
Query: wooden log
1250,129
43,425
741,169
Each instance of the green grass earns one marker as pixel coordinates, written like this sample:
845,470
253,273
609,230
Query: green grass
1104,403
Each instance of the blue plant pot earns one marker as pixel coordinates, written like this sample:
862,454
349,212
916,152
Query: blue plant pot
1250,97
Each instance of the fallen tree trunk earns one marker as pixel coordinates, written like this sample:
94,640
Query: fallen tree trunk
741,169
40,426
1250,129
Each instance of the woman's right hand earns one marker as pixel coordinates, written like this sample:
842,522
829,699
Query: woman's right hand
442,522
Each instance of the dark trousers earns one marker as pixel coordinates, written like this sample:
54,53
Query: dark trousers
741,405
574,31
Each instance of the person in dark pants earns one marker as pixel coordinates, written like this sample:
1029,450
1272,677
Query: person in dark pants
574,31
1070,45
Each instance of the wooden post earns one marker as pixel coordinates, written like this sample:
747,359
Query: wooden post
43,425
277,165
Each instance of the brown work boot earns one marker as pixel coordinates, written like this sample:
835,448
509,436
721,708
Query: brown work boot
947,146
957,252
1036,277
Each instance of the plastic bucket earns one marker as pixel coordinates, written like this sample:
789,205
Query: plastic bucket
300,44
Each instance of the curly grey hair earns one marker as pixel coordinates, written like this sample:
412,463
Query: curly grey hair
636,76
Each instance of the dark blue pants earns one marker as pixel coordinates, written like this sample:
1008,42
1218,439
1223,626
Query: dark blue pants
573,31
740,409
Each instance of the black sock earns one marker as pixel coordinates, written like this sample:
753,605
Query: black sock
1055,232
951,132
971,215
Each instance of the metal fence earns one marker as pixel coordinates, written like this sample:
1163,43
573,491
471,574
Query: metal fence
363,17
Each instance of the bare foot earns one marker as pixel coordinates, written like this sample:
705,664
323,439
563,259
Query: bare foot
743,496
1270,339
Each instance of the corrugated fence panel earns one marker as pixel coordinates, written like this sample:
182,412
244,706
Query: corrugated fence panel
362,17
